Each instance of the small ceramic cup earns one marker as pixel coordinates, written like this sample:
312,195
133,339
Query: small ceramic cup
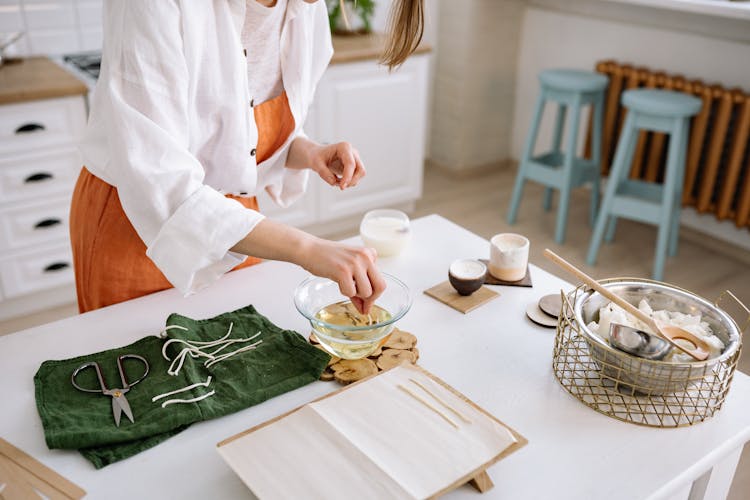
467,275
509,256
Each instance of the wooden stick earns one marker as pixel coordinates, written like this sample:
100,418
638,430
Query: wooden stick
439,400
43,472
668,333
428,405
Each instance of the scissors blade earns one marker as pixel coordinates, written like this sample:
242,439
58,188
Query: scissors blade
116,410
123,402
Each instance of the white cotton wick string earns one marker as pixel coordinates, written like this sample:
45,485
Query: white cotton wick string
163,333
193,386
183,401
197,349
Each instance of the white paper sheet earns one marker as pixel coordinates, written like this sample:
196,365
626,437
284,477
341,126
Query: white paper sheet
372,440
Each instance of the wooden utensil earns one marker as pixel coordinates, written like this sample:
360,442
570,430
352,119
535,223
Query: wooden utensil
671,334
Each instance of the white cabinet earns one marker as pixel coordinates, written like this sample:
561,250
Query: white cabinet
39,165
383,115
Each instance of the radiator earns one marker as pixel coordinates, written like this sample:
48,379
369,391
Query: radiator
717,169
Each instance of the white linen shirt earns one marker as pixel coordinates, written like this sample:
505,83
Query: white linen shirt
171,125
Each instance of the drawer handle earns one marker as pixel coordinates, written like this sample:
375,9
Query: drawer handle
38,177
57,266
43,224
29,127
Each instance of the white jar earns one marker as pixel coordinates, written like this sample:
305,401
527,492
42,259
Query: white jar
387,231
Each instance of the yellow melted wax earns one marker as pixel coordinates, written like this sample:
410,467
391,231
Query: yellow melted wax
351,344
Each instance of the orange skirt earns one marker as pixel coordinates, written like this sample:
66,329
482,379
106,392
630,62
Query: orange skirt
109,258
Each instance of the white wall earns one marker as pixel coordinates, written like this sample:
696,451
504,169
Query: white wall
53,26
474,82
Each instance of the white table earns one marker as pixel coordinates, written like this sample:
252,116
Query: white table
494,355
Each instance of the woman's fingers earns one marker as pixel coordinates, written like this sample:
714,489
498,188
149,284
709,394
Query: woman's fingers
359,171
345,154
377,284
325,173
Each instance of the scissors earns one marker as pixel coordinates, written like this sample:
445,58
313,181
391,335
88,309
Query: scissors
119,402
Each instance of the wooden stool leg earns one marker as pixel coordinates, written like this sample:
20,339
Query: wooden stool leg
528,152
668,200
624,151
674,236
568,166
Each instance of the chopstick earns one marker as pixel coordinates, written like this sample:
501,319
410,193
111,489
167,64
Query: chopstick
428,405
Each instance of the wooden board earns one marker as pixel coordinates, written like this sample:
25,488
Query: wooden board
446,294
489,279
36,78
478,478
27,472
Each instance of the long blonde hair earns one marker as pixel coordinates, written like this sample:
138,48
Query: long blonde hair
405,31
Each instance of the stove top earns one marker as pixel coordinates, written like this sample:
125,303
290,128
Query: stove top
88,62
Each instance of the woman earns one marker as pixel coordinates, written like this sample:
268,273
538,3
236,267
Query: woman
200,105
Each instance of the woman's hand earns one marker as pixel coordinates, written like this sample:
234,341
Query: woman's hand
353,268
337,164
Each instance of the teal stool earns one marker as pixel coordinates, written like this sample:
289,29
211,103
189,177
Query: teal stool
661,111
555,169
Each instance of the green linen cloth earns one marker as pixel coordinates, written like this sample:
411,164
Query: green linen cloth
77,420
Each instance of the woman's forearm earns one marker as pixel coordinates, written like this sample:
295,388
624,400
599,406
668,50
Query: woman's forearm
353,268
276,241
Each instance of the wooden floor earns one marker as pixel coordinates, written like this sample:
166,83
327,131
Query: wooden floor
480,203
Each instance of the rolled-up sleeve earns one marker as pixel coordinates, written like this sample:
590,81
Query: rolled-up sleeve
187,226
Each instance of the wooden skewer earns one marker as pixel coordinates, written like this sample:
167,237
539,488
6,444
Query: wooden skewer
669,333
439,400
428,405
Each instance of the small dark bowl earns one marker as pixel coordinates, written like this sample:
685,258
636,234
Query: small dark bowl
467,283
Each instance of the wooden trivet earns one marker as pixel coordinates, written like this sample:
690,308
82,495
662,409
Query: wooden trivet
398,347
489,279
446,294
551,304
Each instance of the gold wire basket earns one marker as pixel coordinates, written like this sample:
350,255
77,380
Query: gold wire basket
637,390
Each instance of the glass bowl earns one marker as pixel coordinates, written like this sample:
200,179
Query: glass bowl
350,342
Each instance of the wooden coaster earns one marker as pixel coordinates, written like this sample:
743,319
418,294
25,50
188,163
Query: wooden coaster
540,317
551,304
446,294
489,279
398,347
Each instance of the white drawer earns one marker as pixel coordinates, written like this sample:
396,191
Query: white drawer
36,271
33,177
38,124
35,224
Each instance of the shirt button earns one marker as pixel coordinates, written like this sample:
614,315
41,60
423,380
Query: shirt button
244,51
252,152
252,103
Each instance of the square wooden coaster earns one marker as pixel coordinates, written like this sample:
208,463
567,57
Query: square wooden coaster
446,294
489,279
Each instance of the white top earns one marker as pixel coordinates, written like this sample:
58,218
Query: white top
494,355
261,36
172,129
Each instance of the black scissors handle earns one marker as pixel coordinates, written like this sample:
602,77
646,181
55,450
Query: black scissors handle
102,384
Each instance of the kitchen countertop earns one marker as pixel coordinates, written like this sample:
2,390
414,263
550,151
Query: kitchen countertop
36,78
355,48
494,355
